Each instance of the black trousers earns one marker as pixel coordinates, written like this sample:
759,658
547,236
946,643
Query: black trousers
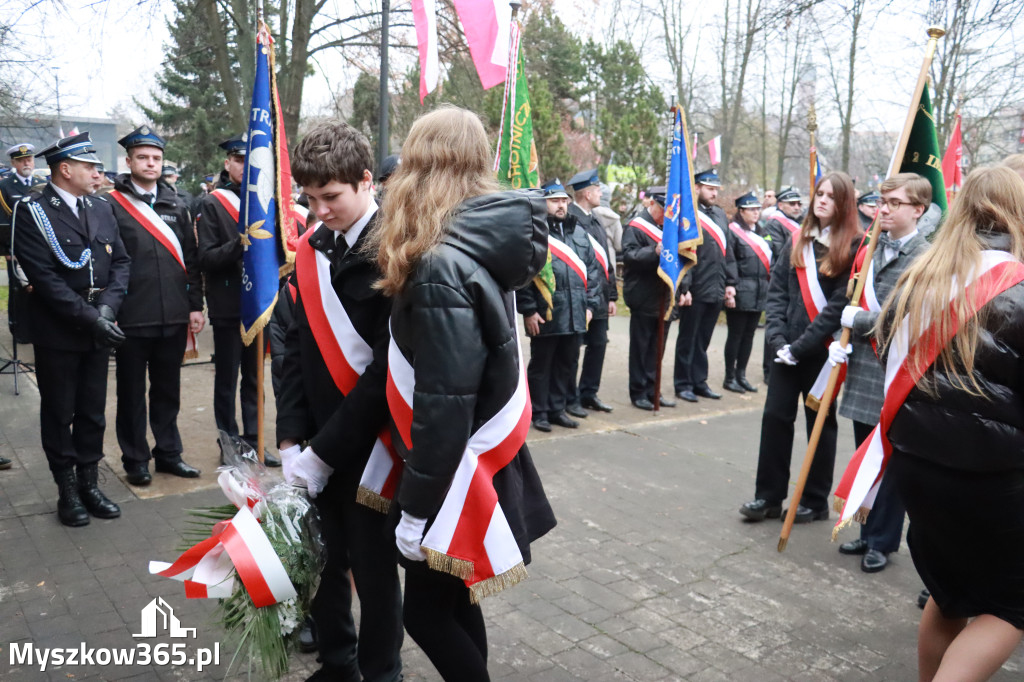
884,528
442,621
596,343
18,318
696,325
72,396
230,355
161,356
361,541
551,369
787,388
742,325
643,355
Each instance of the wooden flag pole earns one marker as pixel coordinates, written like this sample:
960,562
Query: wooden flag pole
812,126
857,282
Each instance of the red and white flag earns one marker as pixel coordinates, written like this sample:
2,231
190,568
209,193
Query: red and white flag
424,15
715,150
74,131
952,162
486,25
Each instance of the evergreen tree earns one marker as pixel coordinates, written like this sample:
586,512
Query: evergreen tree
552,152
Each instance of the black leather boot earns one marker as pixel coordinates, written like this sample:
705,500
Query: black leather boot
730,382
741,379
70,509
92,497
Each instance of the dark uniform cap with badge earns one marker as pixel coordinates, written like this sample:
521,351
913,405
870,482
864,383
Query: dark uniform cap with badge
554,190
237,145
21,151
169,169
143,136
788,194
708,177
388,166
584,179
75,148
657,193
869,199
748,200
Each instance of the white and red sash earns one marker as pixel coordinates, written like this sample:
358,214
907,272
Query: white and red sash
712,228
229,200
785,221
144,215
648,228
857,490
757,243
814,303
562,252
470,537
602,255
347,356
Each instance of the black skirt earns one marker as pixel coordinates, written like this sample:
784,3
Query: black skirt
966,536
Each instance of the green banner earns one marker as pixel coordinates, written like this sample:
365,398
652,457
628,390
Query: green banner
923,156
517,160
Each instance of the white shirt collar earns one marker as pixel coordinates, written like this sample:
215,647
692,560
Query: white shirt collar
142,192
357,229
585,211
70,199
898,243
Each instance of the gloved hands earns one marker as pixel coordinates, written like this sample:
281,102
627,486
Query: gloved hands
409,535
104,331
308,471
837,355
288,457
785,357
849,313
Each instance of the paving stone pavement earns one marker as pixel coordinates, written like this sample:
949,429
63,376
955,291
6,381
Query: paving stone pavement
650,574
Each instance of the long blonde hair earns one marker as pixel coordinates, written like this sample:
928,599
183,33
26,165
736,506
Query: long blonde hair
845,226
991,201
446,159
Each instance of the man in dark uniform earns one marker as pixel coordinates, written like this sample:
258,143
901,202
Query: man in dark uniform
220,259
169,176
164,303
867,206
586,191
647,297
12,188
69,246
556,330
704,289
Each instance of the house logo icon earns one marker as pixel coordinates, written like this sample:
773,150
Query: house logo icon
158,616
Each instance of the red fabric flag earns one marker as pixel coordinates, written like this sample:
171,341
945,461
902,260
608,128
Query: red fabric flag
486,30
952,162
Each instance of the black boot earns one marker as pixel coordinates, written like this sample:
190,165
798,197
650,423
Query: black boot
92,497
730,382
741,379
70,509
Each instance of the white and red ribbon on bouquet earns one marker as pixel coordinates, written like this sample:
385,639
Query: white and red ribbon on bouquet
239,547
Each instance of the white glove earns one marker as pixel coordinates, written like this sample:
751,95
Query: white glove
308,471
288,456
409,535
849,313
837,355
785,357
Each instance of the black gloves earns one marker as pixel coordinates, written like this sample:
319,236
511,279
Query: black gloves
104,331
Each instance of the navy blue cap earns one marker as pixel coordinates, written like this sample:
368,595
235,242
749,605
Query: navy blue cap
708,177
554,190
239,144
169,169
111,175
143,136
657,193
788,194
748,200
388,166
869,199
75,148
584,179
21,151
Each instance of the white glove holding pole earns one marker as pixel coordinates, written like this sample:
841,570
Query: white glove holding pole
409,536
785,357
308,471
288,456
837,355
849,315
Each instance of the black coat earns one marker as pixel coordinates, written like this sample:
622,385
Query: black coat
220,256
714,271
787,320
776,234
609,284
340,429
455,323
61,317
12,190
642,288
751,275
572,298
160,292
277,329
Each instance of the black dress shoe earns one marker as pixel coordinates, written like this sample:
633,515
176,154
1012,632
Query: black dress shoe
576,411
5,463
705,392
923,598
688,396
270,460
176,468
731,385
92,497
666,402
643,404
562,420
138,474
542,425
307,636
759,510
805,515
595,404
745,385
874,561
857,546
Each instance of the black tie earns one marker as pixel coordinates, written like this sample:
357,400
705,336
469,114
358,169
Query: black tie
148,198
81,216
340,249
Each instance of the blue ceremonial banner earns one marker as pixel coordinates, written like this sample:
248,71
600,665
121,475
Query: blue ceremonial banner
258,211
681,233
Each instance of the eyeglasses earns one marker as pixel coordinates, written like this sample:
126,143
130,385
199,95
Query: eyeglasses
894,204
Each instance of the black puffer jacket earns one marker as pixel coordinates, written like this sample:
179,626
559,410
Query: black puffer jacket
642,288
455,323
751,275
787,320
967,432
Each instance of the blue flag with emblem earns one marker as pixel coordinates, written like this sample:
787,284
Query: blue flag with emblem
257,212
681,234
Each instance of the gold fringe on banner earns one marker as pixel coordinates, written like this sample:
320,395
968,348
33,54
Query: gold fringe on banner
460,568
373,500
492,586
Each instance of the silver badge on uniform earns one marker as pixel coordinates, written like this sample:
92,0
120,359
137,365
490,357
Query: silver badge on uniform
55,202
